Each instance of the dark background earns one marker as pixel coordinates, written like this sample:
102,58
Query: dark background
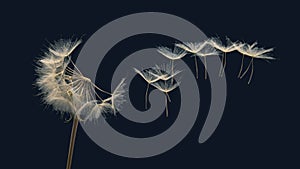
260,125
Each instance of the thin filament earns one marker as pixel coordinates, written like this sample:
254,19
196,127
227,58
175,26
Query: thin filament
222,63
242,64
252,65
166,104
247,69
205,65
224,66
196,67
169,99
146,98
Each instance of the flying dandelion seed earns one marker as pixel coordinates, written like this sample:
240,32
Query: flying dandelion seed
217,44
148,76
163,72
193,48
117,97
165,82
67,90
173,55
166,86
254,53
207,51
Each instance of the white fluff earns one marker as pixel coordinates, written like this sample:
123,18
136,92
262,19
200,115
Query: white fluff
192,47
68,90
174,54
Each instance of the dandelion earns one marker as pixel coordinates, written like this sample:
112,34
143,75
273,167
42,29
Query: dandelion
67,90
173,55
166,86
231,46
149,78
254,53
165,82
193,48
207,51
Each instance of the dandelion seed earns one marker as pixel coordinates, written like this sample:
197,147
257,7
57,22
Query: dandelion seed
148,76
166,87
193,48
254,53
165,84
230,47
173,55
118,96
207,51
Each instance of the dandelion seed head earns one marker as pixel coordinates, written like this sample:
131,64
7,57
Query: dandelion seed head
66,89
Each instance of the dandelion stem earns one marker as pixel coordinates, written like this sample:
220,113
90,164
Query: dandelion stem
146,97
72,142
196,66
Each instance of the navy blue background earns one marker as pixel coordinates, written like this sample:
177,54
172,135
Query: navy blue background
260,124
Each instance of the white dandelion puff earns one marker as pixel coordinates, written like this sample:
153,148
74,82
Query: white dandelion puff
67,90
192,47
172,54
